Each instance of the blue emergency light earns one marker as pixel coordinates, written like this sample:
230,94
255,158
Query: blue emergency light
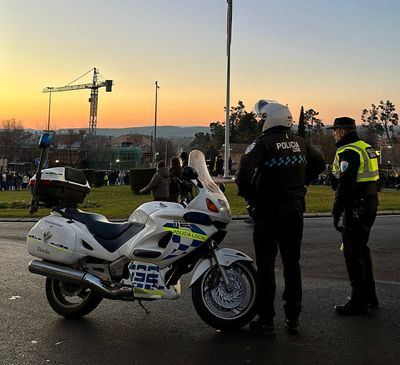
45,140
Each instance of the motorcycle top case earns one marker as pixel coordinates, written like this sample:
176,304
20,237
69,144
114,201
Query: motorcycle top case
61,186
53,239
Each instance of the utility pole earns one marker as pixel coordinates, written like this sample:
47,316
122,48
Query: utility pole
46,154
228,86
155,125
48,116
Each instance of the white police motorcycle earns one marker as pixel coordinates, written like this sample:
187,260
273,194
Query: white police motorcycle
86,258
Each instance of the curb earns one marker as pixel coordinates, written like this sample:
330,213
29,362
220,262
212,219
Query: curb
322,215
234,217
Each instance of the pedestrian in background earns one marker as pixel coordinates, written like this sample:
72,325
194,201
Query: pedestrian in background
271,176
4,180
175,174
11,185
211,166
184,158
356,169
25,181
121,177
220,166
159,184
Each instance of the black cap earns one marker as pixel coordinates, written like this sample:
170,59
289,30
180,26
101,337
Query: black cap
343,123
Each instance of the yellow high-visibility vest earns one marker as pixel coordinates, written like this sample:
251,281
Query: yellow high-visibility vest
368,170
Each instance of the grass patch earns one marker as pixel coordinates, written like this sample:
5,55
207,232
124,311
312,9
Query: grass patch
119,202
89,204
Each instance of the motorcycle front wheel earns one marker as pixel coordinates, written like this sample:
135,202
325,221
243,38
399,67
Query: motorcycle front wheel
70,300
226,309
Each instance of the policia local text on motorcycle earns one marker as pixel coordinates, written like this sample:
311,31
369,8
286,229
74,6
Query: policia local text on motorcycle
272,177
356,170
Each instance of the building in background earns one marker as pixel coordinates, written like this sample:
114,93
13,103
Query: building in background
132,150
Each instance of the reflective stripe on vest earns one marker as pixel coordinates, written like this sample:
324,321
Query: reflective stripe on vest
368,170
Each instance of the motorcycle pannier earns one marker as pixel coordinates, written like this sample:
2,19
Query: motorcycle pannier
61,187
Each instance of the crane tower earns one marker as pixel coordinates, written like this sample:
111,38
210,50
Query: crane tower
94,94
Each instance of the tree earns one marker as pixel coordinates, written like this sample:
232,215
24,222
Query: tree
328,148
371,120
97,151
314,124
369,136
381,119
12,137
217,134
247,128
243,127
165,148
302,124
201,142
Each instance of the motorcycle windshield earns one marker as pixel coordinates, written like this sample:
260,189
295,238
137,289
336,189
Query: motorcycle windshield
198,162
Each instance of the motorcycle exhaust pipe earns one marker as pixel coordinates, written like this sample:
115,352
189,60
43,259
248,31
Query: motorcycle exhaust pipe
74,276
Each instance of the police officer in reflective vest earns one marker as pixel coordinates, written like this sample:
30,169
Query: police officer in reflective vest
356,169
272,176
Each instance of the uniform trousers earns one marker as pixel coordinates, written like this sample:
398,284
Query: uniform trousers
278,225
357,223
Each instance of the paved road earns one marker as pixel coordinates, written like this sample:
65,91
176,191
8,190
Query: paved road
122,333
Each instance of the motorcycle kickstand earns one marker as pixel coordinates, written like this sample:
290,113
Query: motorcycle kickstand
144,308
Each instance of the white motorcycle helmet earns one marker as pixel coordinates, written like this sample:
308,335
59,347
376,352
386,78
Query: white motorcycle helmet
272,114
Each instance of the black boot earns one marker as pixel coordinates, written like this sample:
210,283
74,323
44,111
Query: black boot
352,308
373,302
263,327
292,325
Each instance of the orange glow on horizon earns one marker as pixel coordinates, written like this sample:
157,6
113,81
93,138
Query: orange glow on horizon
74,113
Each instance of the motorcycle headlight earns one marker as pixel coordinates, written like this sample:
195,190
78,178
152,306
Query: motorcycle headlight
224,207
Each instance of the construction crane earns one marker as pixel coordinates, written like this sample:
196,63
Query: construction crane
94,94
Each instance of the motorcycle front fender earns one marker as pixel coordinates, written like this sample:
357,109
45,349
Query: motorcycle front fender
225,256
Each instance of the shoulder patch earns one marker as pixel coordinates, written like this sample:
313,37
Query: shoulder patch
249,148
371,152
343,166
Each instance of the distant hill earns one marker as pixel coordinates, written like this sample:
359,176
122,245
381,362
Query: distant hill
162,131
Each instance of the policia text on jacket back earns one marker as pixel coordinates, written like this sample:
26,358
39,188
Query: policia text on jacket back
356,170
272,176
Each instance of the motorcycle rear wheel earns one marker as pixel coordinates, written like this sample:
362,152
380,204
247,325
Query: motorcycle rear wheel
70,300
222,309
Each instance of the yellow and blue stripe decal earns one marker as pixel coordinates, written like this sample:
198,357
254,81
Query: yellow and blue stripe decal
186,231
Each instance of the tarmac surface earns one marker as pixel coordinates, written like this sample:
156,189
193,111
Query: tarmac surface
172,333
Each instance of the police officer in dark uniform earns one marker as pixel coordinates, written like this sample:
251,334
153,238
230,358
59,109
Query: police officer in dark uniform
355,168
272,175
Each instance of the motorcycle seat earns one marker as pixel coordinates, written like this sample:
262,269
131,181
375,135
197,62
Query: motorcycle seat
110,235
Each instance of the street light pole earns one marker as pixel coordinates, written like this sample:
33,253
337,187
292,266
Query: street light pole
166,151
48,115
228,87
155,125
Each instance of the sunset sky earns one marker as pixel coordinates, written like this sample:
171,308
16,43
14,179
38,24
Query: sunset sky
335,56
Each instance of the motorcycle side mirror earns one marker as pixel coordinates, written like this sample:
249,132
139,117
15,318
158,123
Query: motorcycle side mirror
189,173
221,186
